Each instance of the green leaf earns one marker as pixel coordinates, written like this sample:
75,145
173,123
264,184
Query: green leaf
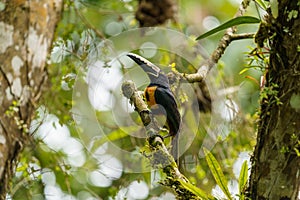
261,4
295,101
233,22
197,191
217,172
243,179
244,70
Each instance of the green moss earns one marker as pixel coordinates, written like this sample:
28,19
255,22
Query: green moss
292,14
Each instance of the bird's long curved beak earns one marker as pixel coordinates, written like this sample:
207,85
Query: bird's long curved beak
145,64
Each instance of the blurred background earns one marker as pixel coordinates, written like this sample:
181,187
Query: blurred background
89,142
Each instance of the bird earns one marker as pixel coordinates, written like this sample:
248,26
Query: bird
158,94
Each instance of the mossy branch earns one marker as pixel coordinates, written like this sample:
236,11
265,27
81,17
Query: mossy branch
160,157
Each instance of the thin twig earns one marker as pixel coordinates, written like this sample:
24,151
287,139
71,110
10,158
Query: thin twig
9,84
87,23
224,42
227,37
242,36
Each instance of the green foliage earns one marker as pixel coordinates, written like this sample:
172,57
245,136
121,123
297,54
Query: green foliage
243,180
262,4
196,190
270,94
297,148
217,172
257,59
13,111
295,101
233,22
85,24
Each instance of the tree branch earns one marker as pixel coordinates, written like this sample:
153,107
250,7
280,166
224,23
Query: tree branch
8,82
227,38
160,158
242,36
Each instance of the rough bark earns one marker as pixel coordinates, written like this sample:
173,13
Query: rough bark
26,33
276,161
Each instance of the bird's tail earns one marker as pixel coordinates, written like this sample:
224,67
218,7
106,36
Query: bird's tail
175,147
175,151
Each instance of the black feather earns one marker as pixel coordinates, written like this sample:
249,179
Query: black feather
163,97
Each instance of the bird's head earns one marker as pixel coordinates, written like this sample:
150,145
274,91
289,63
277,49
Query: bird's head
157,77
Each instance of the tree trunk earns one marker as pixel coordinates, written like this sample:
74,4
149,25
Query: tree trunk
275,172
26,33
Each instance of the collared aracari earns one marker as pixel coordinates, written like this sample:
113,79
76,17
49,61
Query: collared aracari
157,94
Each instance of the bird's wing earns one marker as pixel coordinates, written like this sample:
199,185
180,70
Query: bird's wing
165,98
